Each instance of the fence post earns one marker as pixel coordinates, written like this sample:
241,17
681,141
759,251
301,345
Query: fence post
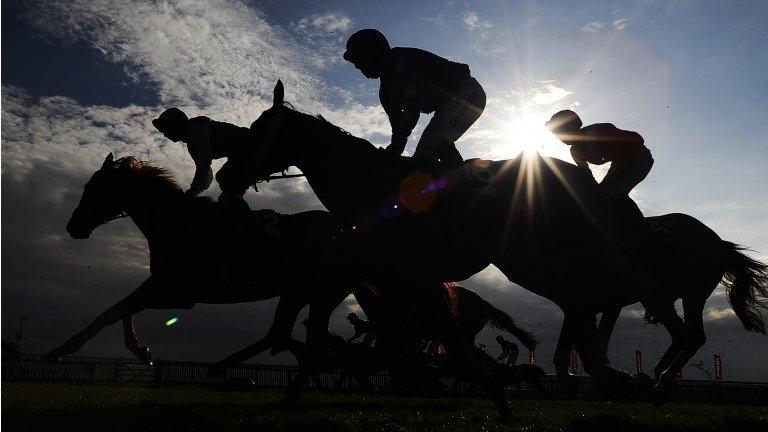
92,372
157,373
117,372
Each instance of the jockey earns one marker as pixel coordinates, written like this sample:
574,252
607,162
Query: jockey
207,140
414,81
509,351
599,143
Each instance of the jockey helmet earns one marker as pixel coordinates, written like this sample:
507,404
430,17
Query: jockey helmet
352,316
172,117
565,120
364,42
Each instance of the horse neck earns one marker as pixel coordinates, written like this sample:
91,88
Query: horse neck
153,210
324,153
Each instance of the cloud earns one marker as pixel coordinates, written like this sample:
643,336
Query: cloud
593,27
218,58
715,314
548,94
480,32
472,22
329,22
598,26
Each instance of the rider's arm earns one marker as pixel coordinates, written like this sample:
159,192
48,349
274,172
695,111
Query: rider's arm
400,101
199,147
393,112
577,153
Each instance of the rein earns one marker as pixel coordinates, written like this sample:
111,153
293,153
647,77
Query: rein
281,176
120,215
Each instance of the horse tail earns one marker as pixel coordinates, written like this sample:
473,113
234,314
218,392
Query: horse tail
746,283
502,321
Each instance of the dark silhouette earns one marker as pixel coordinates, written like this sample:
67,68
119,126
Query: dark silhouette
414,81
362,327
201,254
600,143
207,140
509,351
356,360
406,321
746,284
218,256
543,222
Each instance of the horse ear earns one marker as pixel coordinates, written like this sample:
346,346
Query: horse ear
108,161
279,94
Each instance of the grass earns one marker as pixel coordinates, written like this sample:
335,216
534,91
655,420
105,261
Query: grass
37,407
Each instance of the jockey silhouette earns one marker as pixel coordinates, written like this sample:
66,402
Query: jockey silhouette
599,143
207,140
362,327
414,81
509,351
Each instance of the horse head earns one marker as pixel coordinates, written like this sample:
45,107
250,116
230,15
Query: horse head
105,195
277,135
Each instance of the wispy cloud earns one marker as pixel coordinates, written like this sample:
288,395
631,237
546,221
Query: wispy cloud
329,22
548,94
593,27
599,26
474,23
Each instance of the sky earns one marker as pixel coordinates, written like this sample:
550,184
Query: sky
81,79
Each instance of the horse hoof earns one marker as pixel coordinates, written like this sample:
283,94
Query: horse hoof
661,397
663,390
569,385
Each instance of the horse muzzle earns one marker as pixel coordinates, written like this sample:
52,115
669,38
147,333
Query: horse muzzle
78,226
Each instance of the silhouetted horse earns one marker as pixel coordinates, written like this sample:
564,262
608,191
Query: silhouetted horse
544,223
702,261
201,252
413,313
403,320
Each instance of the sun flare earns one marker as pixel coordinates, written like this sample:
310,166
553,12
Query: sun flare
525,133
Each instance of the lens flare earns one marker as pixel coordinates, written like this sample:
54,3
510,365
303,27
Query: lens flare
172,321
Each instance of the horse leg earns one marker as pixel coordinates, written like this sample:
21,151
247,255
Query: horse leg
287,310
610,380
693,339
131,342
603,337
457,347
668,317
561,360
133,303
317,332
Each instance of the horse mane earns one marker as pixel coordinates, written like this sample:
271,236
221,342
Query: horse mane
452,291
157,178
146,171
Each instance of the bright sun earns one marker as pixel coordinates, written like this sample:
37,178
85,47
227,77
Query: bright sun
526,133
